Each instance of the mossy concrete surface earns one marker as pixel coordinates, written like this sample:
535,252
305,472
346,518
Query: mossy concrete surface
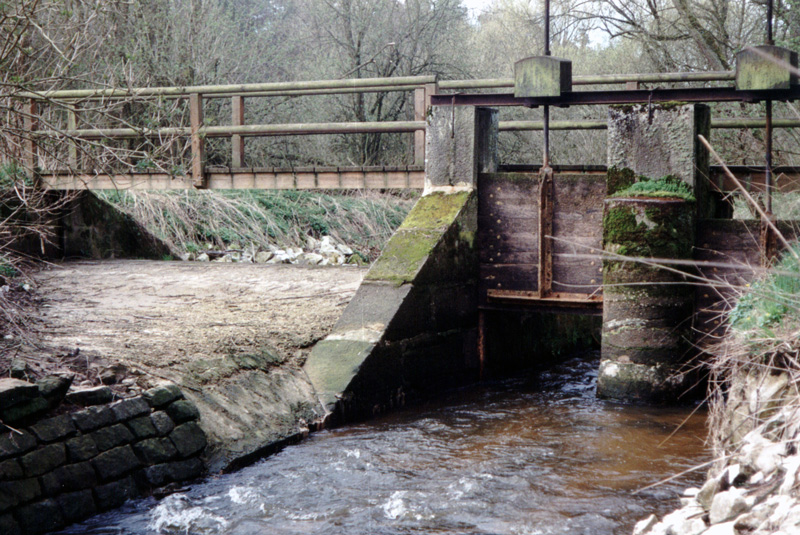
647,309
661,140
411,328
756,72
542,76
412,244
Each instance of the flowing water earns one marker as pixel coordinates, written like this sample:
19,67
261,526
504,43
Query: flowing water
535,456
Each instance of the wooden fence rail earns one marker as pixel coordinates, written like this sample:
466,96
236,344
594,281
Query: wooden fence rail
422,86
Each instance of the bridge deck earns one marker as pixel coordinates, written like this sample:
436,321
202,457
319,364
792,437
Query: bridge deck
351,177
379,177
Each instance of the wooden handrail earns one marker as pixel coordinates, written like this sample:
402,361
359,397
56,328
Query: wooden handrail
311,87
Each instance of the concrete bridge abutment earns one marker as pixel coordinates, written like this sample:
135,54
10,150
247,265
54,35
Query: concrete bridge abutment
411,329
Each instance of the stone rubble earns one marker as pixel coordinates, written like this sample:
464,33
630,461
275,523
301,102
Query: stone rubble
323,252
755,493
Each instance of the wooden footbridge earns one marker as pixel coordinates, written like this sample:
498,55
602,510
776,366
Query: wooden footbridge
68,166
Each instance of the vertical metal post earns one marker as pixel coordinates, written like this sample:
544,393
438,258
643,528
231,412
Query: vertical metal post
546,27
768,126
237,142
768,158
545,245
768,237
770,40
546,109
198,144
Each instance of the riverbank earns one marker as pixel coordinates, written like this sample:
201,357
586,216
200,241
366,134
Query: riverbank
753,485
233,337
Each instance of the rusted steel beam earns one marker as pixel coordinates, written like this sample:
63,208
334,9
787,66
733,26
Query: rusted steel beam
601,79
545,245
561,299
606,98
721,123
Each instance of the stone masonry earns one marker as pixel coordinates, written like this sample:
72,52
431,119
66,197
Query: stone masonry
65,468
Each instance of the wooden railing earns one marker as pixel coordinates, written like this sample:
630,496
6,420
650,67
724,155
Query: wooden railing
201,176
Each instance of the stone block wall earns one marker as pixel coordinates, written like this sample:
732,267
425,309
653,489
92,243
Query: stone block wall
94,228
65,468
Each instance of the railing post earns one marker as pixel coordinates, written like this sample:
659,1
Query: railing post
30,155
422,103
198,143
419,135
72,124
237,143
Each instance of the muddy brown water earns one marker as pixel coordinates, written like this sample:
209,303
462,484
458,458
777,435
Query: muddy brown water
526,456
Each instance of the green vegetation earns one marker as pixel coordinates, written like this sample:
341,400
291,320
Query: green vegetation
770,302
195,220
618,179
665,187
666,231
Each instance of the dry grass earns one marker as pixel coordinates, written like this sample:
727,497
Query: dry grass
192,220
755,369
26,227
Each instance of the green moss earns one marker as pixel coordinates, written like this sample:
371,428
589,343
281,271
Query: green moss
426,224
403,256
666,187
618,179
665,231
435,211
468,237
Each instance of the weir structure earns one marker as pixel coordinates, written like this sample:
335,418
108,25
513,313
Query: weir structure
659,260
659,265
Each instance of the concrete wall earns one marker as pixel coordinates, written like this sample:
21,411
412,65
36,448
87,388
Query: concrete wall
93,228
65,468
411,329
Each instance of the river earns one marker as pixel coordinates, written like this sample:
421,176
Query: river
534,456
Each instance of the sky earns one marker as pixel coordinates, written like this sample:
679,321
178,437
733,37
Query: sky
476,6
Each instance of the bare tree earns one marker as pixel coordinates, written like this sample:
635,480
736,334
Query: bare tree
382,38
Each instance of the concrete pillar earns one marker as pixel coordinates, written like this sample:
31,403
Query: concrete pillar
661,139
647,310
460,142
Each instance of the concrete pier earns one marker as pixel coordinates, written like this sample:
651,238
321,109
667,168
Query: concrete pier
648,306
647,309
